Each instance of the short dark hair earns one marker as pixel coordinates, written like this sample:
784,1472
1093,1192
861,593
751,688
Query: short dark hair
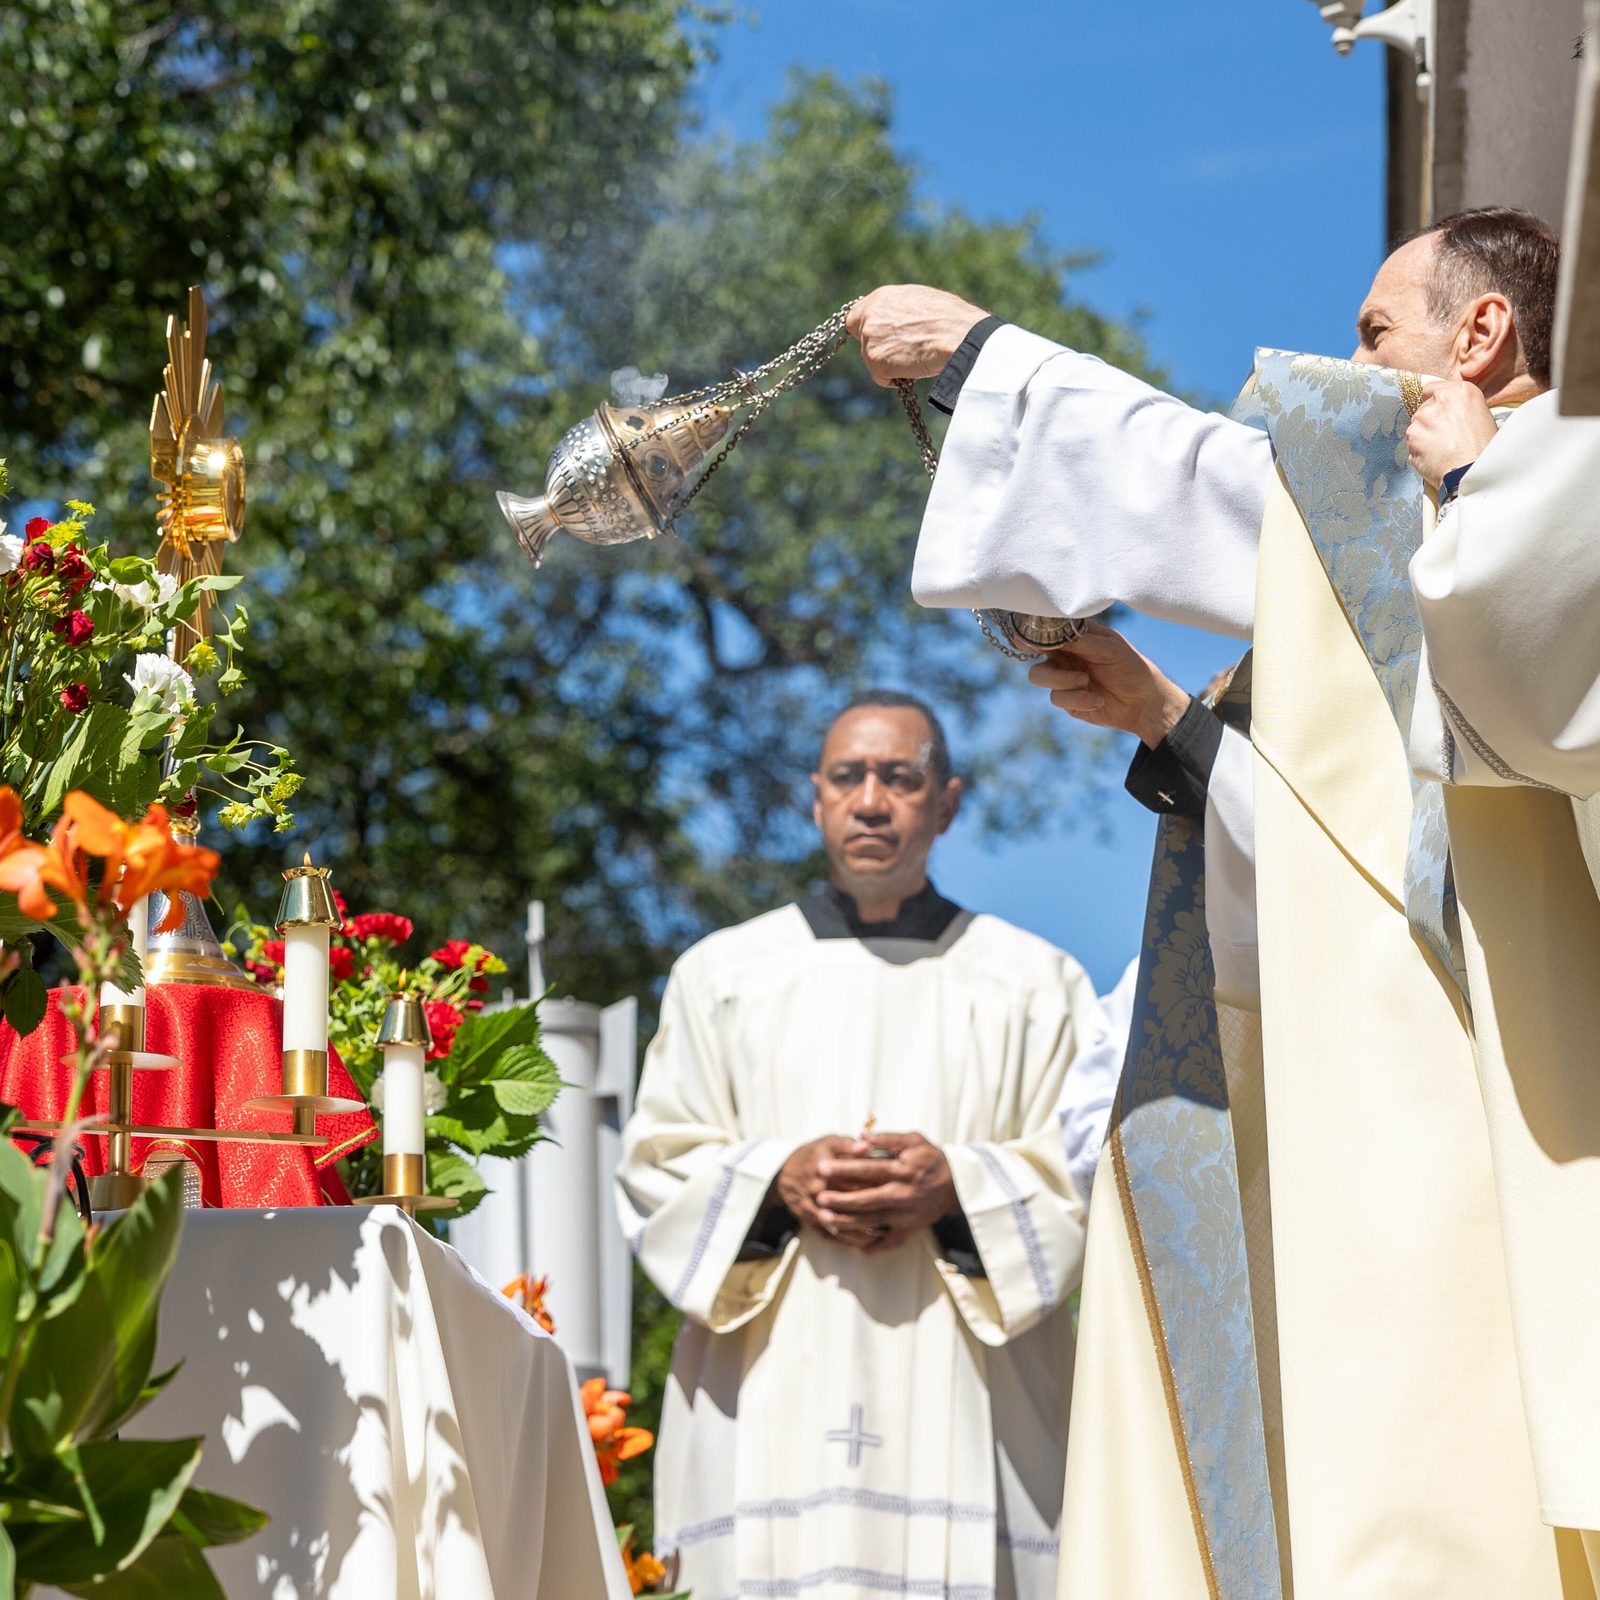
1500,250
938,745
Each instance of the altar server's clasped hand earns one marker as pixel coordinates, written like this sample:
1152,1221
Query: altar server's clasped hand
878,1203
1450,429
908,330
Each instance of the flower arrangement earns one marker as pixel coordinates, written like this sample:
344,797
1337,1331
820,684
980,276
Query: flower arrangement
89,701
83,1508
488,1081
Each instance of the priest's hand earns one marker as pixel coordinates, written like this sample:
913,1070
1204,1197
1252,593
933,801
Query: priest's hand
1101,679
908,330
1450,429
891,1199
805,1176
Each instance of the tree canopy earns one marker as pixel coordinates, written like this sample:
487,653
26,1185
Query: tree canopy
427,235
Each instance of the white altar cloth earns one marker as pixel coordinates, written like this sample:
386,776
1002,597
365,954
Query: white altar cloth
412,1433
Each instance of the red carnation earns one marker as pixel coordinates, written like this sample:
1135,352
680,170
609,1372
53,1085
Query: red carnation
187,807
341,962
37,528
76,629
443,1020
344,912
386,925
75,573
38,557
272,950
478,985
75,697
451,953
266,976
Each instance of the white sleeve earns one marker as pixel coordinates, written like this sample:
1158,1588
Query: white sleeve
1508,588
1091,1084
689,1187
1065,485
1231,873
1026,1214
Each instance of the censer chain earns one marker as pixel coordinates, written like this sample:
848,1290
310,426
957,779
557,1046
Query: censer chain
800,361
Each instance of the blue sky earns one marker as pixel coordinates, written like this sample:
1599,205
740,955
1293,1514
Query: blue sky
1227,165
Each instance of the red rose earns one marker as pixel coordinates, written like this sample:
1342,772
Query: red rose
74,572
37,528
75,697
187,807
272,950
76,629
266,976
385,925
38,557
341,962
443,1020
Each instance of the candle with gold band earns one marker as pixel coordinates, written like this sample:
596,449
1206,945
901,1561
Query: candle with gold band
112,994
405,1039
307,915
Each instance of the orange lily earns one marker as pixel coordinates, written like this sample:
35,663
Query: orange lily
141,857
530,1291
614,1443
644,1571
31,871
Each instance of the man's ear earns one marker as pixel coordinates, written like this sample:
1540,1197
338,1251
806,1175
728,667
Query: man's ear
1486,346
949,803
816,800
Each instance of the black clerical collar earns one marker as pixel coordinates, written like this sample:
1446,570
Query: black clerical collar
833,915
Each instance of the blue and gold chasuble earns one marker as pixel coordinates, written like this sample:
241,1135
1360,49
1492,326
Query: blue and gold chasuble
1338,432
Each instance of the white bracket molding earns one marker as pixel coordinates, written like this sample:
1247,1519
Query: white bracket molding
1406,26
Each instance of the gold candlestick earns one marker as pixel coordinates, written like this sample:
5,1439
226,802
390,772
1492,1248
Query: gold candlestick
307,902
405,1176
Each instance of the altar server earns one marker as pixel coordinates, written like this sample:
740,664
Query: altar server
846,1169
1404,1467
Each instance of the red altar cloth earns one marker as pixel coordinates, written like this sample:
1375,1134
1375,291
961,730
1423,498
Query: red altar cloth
229,1044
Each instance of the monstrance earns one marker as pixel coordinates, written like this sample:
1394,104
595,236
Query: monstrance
629,471
200,511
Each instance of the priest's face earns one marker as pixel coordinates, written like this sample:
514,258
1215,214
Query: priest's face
879,804
1396,326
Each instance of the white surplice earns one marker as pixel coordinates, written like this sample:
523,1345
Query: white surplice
841,1425
1064,486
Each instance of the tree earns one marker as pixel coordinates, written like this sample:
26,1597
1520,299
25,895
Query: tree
427,233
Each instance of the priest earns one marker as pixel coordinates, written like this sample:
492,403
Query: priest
1405,1467
846,1170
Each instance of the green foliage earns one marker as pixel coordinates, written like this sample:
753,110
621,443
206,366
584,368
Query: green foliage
80,1508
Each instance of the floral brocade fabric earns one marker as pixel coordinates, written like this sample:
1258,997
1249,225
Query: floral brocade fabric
1339,431
1178,1180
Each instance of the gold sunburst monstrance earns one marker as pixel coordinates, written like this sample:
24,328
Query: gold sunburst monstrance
202,472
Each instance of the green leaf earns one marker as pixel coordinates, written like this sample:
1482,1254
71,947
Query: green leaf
204,1518
90,1374
8,1564
454,1175
170,1567
217,582
524,1099
25,1000
483,1036
129,1489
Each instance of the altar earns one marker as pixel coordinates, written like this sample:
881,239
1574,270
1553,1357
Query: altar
413,1434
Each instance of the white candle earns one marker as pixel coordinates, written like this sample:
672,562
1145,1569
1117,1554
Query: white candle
402,1100
139,927
305,987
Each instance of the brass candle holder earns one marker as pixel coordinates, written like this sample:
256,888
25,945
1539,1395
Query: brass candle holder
307,902
405,1177
119,1185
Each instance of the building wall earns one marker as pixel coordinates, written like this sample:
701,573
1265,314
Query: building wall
1505,86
